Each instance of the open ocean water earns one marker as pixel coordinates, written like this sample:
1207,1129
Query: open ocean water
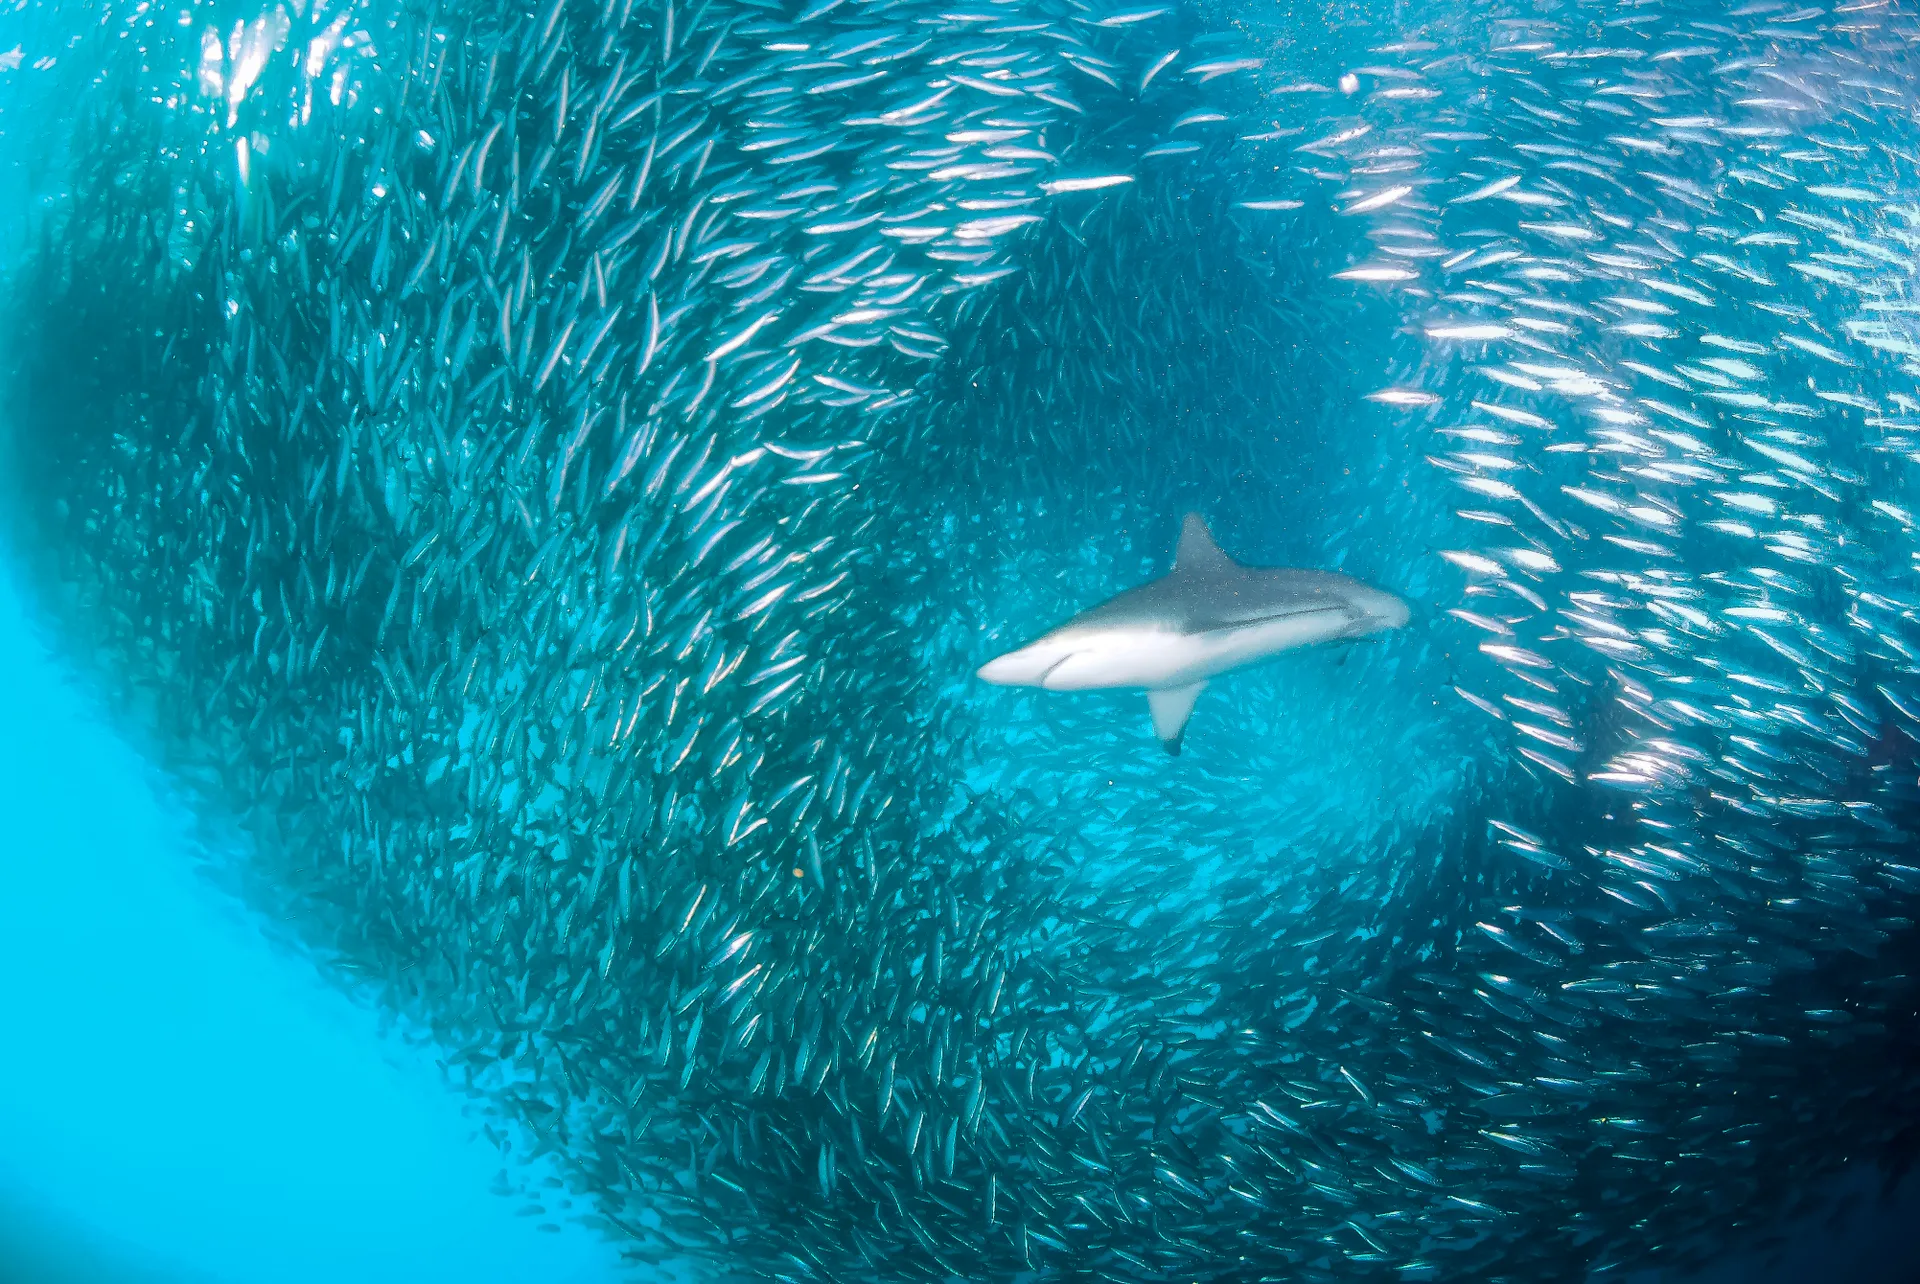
507,507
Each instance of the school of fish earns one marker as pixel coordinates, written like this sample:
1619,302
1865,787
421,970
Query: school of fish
550,472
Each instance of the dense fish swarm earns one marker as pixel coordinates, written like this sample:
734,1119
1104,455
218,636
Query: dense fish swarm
553,470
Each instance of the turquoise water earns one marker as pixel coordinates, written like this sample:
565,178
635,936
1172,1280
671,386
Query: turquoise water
534,489
183,1100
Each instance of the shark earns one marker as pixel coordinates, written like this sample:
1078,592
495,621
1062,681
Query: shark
1205,617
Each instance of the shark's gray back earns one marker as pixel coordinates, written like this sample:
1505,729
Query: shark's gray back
1222,597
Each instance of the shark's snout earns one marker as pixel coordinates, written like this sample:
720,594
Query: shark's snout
1389,611
1080,660
1025,667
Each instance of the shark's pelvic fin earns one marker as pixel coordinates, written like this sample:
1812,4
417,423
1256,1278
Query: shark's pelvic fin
1172,706
1197,551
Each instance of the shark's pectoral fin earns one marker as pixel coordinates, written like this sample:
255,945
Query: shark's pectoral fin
1172,707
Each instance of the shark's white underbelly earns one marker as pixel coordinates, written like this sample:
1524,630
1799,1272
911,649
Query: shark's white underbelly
1153,658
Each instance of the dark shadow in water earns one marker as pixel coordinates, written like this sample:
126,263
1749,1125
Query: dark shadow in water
38,1246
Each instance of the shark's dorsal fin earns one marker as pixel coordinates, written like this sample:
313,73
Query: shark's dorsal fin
1197,551
1171,709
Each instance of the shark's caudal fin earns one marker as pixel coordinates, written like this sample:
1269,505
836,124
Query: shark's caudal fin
1197,551
1173,706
